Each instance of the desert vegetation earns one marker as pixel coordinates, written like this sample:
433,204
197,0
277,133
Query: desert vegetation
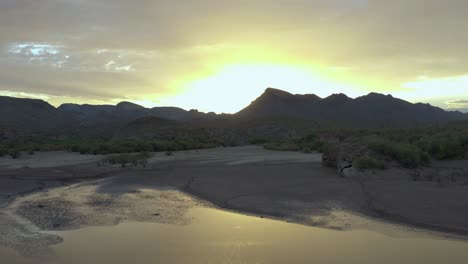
282,146
407,155
126,159
308,144
104,147
137,145
410,147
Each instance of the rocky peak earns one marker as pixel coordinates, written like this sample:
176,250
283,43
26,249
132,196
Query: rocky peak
129,106
276,92
337,98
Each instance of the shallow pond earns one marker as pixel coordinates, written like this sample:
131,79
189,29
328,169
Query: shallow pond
216,236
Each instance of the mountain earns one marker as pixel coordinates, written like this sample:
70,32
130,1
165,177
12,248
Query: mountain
20,116
126,112
29,115
373,108
275,112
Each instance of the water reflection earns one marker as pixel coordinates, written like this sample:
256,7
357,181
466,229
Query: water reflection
221,237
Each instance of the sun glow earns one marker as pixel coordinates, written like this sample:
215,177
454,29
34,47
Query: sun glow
434,87
235,86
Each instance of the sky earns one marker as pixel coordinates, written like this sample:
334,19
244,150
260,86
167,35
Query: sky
217,55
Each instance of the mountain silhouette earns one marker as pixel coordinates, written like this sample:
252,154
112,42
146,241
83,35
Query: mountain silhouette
124,112
33,115
368,109
30,115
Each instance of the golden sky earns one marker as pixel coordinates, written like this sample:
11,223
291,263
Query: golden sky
216,55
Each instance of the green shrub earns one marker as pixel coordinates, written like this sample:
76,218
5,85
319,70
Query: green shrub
367,163
443,147
407,155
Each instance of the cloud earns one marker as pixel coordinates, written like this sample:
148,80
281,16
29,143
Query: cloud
117,48
463,102
459,104
60,57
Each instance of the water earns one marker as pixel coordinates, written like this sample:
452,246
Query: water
216,236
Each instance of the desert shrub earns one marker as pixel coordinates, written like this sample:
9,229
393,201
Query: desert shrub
3,152
367,163
169,153
447,148
74,148
85,148
443,147
138,145
312,146
133,159
464,139
312,137
310,143
407,155
282,146
258,141
14,153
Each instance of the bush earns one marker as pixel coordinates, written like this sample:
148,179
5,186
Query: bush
367,163
14,153
125,159
407,155
282,146
311,137
464,139
258,141
309,147
443,147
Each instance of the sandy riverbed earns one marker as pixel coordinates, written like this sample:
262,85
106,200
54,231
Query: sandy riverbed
285,185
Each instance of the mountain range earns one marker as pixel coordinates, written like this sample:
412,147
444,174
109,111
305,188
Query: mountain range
34,116
368,109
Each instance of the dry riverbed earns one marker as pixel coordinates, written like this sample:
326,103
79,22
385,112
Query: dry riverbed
51,192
